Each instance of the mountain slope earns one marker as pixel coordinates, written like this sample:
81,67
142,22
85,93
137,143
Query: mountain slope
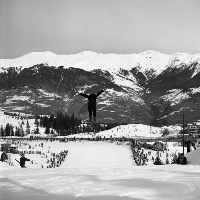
43,89
149,87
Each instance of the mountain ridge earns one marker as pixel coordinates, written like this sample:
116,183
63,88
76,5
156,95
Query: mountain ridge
72,60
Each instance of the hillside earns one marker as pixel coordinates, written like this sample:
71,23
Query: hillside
149,87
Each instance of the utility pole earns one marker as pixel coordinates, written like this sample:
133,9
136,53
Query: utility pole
183,135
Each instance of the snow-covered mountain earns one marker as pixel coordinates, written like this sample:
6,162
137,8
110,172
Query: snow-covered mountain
146,87
88,60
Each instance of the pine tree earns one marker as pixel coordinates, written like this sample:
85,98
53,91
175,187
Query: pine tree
27,128
2,132
21,130
52,132
47,130
51,121
17,132
36,131
158,161
7,130
11,130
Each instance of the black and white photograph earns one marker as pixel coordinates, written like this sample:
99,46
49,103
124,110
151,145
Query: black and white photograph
99,99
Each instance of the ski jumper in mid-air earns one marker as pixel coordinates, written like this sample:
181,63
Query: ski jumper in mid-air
92,104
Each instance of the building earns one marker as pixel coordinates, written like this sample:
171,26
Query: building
9,148
193,128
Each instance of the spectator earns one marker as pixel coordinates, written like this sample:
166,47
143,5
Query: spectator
4,156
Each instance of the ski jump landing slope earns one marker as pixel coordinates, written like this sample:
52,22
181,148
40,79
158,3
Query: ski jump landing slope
101,172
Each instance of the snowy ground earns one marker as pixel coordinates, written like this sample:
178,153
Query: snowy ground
98,170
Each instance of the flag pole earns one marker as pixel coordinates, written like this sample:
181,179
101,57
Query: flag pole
183,135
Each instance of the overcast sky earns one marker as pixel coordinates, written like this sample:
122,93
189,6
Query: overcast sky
103,26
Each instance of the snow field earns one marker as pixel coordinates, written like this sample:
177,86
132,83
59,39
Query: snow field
81,154
97,170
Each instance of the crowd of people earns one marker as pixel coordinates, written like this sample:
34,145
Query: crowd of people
141,154
52,159
56,159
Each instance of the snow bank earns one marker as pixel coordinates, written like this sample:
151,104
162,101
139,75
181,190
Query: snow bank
132,130
193,157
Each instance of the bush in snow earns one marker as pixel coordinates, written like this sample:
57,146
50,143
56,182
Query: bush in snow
158,161
174,159
165,132
167,161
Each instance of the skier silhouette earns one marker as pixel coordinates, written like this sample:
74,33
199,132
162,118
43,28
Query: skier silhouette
92,104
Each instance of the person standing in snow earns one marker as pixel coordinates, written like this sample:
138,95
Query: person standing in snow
4,156
92,104
23,160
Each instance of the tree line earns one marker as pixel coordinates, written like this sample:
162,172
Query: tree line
67,125
63,124
20,131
